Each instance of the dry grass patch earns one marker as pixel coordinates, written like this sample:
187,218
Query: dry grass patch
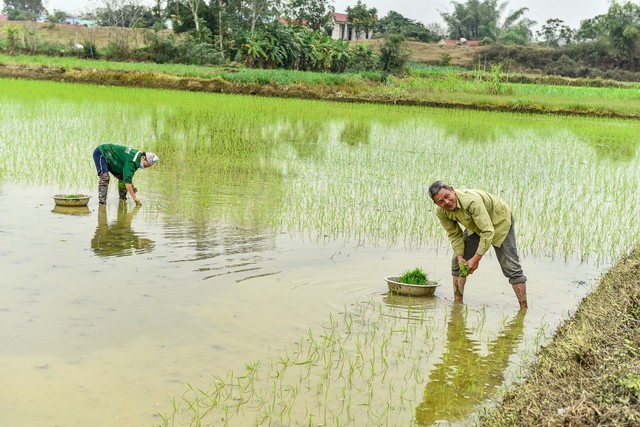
69,35
432,53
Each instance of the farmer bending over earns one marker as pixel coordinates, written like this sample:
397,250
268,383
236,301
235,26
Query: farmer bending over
122,162
488,222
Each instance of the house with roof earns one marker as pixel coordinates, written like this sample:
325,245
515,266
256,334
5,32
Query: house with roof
343,29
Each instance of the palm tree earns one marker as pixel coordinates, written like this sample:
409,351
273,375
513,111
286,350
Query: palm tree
477,20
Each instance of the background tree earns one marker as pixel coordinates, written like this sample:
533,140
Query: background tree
362,18
437,29
393,56
194,7
519,33
235,20
153,18
220,12
555,33
315,14
23,10
478,20
256,13
195,17
622,26
57,16
127,14
122,17
394,22
591,29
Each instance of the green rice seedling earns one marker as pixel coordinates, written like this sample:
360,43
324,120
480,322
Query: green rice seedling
370,381
464,270
414,277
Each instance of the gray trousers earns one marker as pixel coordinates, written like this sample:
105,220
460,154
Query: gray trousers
507,255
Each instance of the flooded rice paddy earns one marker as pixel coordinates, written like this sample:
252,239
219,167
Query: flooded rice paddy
248,288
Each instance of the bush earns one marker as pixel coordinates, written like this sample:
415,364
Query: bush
200,54
52,49
588,60
12,38
117,52
445,59
393,57
564,66
362,59
169,49
159,48
89,50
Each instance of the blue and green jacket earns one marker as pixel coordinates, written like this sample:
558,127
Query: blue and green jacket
122,161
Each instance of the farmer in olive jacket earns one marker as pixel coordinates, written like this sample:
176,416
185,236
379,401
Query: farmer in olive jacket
122,162
487,222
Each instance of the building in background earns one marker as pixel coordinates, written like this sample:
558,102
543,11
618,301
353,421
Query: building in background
343,30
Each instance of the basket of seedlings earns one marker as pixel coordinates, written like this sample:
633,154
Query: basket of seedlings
413,283
71,199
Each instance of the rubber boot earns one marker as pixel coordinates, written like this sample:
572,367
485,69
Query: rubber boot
103,188
122,190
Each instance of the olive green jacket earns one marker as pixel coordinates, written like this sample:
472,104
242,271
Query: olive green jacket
479,212
122,161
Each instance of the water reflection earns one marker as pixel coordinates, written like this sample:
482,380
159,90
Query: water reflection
71,210
118,239
356,133
414,307
465,378
606,149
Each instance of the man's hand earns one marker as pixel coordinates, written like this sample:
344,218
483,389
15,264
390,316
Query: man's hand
473,263
133,190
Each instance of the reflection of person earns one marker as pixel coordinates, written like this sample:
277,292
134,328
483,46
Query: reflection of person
122,162
464,378
488,222
118,239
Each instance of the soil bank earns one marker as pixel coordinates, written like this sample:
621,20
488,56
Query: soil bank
590,373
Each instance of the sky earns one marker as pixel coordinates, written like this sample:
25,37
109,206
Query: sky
428,11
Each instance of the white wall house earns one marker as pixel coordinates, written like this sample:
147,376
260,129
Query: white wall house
343,30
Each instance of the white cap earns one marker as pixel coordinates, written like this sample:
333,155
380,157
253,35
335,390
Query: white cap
151,158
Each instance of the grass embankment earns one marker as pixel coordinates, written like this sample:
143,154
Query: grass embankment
590,373
423,86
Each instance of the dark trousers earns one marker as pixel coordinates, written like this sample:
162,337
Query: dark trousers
101,162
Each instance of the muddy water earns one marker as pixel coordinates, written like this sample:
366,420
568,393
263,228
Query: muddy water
99,329
265,221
